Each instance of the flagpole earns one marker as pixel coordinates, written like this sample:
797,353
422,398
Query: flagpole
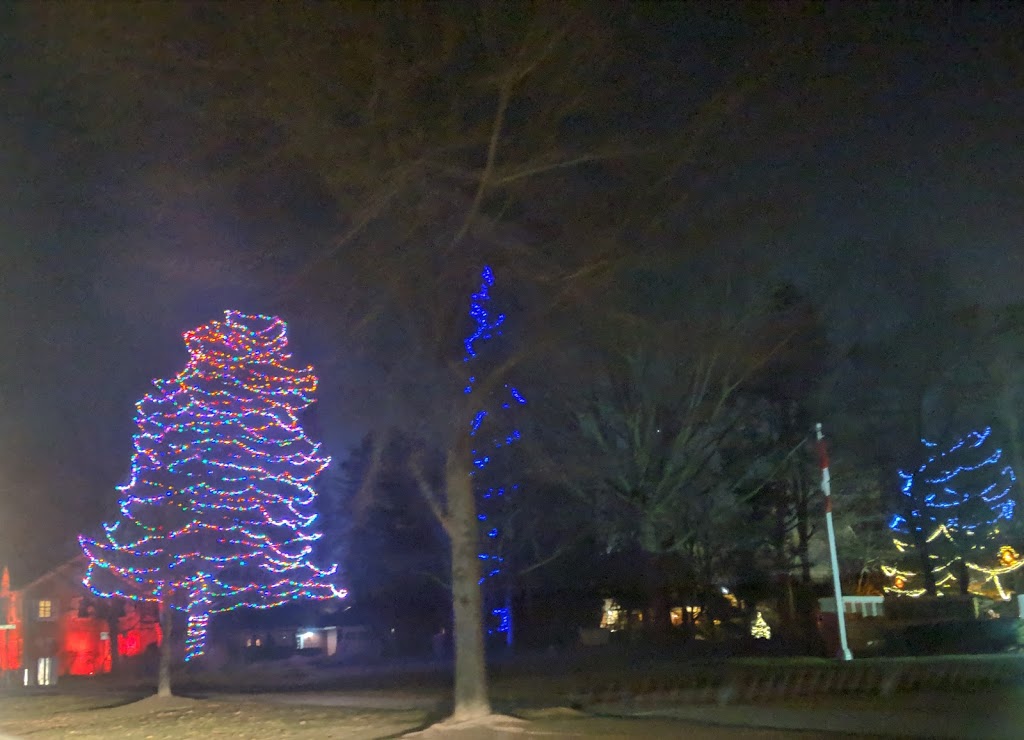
826,488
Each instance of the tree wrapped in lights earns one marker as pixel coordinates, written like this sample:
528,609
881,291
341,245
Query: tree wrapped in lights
218,512
948,530
759,628
491,431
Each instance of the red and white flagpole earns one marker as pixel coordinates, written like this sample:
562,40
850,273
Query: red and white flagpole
826,488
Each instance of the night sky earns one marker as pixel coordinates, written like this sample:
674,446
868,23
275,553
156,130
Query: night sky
910,161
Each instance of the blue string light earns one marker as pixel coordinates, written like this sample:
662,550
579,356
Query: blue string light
486,326
953,502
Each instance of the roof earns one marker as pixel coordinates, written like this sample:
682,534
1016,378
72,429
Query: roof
79,562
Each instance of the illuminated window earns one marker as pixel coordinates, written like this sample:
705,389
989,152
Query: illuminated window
45,609
45,673
613,616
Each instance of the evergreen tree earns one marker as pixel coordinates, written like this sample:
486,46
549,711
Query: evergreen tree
953,509
219,510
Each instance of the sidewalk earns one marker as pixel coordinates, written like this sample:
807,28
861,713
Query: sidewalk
1004,723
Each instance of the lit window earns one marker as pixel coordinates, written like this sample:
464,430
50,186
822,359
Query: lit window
613,616
45,610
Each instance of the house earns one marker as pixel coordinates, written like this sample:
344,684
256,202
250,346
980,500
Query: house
298,629
10,641
56,627
352,642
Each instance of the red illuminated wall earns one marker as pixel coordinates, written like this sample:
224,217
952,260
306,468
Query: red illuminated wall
84,652
10,640
77,641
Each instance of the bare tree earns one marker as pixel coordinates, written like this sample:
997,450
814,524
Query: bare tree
662,422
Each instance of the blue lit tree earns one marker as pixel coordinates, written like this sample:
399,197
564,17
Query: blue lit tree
219,511
953,509
492,431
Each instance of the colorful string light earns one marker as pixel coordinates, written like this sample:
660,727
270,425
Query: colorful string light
219,510
949,506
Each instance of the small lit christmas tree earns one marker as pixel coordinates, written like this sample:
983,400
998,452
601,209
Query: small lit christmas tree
760,630
491,431
218,512
955,503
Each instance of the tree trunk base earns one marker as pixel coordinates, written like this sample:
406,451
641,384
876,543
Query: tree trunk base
465,720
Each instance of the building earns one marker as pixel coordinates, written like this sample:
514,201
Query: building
269,636
10,641
55,626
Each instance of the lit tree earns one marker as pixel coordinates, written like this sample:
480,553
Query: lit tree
489,436
218,512
954,506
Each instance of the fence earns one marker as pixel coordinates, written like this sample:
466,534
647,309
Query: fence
753,684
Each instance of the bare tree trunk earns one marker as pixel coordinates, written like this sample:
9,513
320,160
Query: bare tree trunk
114,613
471,700
964,577
791,615
166,623
113,632
803,493
658,609
921,544
930,586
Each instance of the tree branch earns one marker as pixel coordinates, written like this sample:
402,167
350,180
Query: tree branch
428,493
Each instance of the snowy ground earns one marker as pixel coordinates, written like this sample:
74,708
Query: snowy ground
95,717
125,716
295,701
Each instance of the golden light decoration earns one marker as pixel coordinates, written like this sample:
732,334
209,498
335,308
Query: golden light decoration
1007,555
760,630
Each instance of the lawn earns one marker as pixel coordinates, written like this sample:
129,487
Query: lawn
296,701
113,716
118,715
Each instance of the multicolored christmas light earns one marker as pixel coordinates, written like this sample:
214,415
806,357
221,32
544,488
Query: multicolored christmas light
218,512
486,326
955,503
